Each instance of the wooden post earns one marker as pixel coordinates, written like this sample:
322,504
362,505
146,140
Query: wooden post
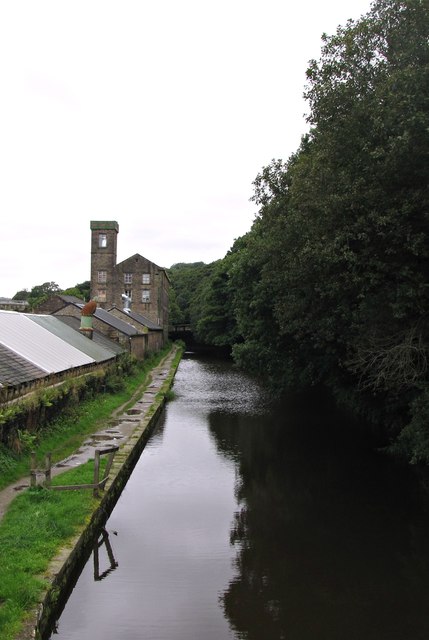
109,463
96,471
33,470
48,470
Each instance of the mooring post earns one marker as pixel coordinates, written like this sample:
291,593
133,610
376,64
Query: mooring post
48,459
33,470
96,471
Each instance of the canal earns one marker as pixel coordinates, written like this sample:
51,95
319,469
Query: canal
246,521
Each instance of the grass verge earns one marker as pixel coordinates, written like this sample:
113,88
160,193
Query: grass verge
64,435
40,522
36,525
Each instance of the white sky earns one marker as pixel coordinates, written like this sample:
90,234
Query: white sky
156,114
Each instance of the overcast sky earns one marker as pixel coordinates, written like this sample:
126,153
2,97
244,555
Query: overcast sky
158,115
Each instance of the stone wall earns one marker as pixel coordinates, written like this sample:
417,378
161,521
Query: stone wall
145,282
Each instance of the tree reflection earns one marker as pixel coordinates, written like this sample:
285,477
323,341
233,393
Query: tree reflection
331,539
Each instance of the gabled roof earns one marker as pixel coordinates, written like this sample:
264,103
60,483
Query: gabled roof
138,317
119,325
16,370
37,345
139,256
97,337
73,337
70,299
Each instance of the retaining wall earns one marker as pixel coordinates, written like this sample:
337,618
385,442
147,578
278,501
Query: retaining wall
66,568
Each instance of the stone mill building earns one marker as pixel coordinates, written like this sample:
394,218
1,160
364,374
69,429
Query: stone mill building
135,283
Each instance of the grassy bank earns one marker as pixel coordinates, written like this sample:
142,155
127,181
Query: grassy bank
65,433
39,522
36,525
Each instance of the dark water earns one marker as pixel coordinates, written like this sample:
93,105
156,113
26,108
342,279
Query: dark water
242,521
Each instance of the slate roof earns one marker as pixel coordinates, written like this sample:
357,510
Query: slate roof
119,325
97,337
70,299
137,256
138,317
16,370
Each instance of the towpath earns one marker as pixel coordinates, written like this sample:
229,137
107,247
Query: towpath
118,430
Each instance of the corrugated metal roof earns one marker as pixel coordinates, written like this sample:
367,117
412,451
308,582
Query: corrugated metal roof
97,337
16,370
38,345
72,337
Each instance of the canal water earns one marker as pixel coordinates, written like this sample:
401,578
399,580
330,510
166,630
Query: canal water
246,521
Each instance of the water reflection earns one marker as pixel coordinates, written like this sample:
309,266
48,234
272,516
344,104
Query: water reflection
331,539
113,564
245,521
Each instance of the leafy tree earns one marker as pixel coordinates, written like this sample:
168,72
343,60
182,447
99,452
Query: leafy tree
21,295
42,292
331,284
185,280
370,113
38,293
81,290
213,307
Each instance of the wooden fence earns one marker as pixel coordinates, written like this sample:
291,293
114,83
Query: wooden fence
96,485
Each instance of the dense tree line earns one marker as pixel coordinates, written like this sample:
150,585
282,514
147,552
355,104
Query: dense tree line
41,292
331,284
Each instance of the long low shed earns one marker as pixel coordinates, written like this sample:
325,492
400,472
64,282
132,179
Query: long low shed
34,346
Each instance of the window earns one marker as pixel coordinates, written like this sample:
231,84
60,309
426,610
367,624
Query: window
101,295
102,276
128,278
146,278
102,240
145,295
129,293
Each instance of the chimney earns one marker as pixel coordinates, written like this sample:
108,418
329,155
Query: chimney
88,311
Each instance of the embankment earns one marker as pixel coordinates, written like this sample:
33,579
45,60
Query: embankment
66,567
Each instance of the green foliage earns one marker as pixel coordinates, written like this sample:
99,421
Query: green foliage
37,294
39,522
21,295
202,297
36,525
78,405
27,440
413,441
185,281
213,307
42,292
331,284
81,290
